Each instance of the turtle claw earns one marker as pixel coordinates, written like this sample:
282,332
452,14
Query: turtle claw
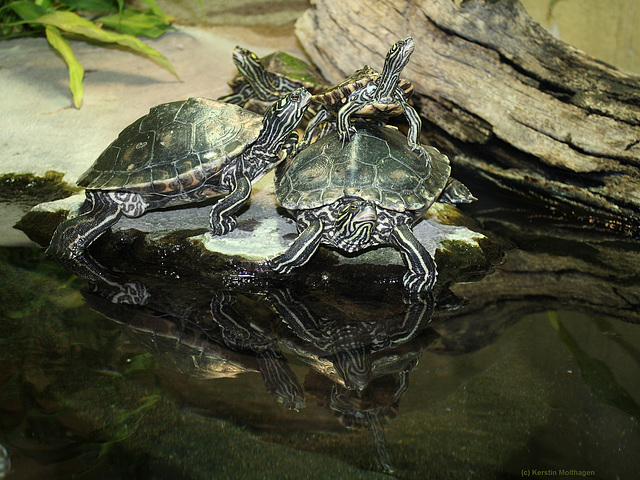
277,264
346,135
223,225
416,283
419,150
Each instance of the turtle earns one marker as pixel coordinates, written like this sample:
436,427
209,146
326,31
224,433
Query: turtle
262,81
179,153
333,342
180,327
368,193
370,94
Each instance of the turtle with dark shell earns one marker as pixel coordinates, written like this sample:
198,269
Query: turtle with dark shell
370,94
179,153
262,81
368,193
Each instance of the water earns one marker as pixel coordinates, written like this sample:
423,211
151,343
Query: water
532,369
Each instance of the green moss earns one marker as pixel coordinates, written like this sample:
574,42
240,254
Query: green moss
27,188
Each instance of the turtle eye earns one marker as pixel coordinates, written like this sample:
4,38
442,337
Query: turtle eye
295,97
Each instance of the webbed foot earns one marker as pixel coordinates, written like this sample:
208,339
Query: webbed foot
346,135
280,264
417,282
421,274
300,251
221,225
222,219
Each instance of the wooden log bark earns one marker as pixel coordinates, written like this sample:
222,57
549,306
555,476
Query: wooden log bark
502,96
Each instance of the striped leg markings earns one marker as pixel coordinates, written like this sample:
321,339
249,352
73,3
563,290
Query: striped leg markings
422,269
413,136
225,315
300,251
295,314
280,380
72,238
221,218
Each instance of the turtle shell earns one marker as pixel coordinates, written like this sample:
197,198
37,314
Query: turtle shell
337,95
376,165
174,148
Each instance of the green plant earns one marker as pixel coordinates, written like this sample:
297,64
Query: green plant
111,22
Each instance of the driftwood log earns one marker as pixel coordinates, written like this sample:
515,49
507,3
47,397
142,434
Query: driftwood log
500,95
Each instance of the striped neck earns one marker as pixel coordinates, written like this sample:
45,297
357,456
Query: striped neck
252,69
396,60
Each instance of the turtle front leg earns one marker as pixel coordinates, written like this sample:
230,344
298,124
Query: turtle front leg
422,272
312,127
413,135
222,311
222,219
279,379
300,251
343,123
240,97
72,238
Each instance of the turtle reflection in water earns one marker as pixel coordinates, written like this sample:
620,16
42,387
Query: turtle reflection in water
184,334
179,153
368,193
361,366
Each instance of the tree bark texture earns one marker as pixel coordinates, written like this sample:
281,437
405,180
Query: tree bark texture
502,96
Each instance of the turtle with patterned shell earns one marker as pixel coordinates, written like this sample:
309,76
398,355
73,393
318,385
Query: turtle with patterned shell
262,81
179,153
370,94
368,193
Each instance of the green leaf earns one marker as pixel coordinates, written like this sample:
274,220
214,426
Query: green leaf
136,23
76,72
153,6
48,4
27,10
91,5
71,23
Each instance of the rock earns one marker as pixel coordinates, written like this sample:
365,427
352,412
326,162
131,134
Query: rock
177,241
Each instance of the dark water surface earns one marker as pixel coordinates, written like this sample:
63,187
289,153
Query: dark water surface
533,370
98,390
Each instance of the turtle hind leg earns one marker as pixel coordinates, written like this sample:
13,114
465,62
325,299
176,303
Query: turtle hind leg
72,238
422,272
456,192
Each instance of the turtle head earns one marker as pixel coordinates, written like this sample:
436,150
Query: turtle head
356,221
396,60
281,119
252,69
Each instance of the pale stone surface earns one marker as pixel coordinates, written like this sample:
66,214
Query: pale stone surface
40,129
263,232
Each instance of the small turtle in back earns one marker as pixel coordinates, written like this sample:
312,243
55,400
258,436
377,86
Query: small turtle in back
179,153
369,94
368,193
262,81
